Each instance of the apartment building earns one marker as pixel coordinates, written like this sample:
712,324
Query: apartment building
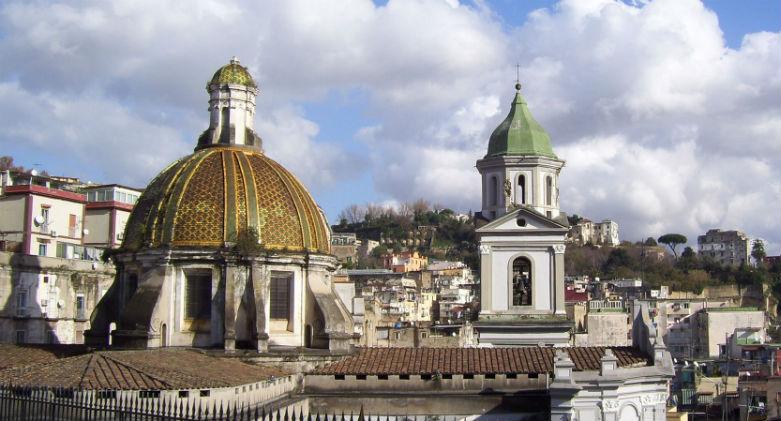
406,261
596,233
106,213
730,248
53,231
49,300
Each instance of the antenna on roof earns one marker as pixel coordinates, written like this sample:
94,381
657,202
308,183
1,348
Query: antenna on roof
518,77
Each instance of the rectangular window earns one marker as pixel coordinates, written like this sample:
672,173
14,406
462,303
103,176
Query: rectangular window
281,286
80,308
42,249
45,214
20,336
198,295
21,302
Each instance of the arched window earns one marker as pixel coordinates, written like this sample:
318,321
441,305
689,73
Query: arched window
549,190
522,282
493,190
521,194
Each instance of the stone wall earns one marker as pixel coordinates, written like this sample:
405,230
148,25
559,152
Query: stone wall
39,297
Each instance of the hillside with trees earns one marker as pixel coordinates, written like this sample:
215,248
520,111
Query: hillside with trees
688,272
434,231
443,234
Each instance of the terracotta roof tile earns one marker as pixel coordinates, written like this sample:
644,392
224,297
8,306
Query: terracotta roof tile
21,355
136,370
375,361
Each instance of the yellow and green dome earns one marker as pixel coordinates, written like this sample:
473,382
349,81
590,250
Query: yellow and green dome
206,199
233,73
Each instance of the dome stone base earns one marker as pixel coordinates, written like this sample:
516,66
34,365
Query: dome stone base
203,298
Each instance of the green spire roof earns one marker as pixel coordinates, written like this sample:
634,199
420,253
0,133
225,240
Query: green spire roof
519,133
233,73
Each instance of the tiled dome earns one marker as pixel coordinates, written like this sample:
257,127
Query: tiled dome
208,198
233,73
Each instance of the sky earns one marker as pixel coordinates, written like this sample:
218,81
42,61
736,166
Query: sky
667,112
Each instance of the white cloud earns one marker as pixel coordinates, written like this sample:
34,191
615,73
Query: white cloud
110,140
663,127
288,137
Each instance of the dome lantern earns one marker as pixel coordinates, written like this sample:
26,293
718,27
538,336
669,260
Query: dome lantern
232,92
228,186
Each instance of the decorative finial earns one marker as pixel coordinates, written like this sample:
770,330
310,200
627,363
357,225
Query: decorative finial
234,60
518,77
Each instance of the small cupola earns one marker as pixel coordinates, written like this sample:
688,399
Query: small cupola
232,92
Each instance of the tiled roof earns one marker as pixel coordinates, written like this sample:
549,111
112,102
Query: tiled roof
21,355
144,369
474,360
571,295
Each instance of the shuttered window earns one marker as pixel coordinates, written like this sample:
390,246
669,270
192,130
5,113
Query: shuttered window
198,295
281,286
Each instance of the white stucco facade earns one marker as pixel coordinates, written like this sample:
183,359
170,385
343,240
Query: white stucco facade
539,318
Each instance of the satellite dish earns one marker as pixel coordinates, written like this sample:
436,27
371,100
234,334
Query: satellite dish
33,173
85,231
38,219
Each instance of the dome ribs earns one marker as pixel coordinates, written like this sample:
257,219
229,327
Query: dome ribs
230,222
209,197
250,190
277,223
297,204
172,205
200,213
161,196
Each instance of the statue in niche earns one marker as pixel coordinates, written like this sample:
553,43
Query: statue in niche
521,282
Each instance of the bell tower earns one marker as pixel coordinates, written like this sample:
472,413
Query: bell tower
522,243
520,168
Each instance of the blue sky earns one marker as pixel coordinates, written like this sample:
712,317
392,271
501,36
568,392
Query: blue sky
665,116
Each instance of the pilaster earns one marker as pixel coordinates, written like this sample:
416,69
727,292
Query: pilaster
558,279
486,303
260,278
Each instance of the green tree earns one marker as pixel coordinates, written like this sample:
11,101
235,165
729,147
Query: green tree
758,252
650,242
672,240
688,260
617,259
